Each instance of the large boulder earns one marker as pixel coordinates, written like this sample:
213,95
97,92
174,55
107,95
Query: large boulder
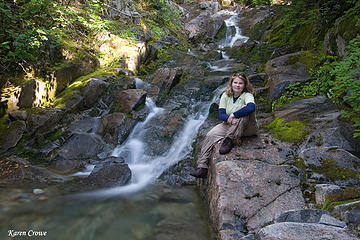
247,195
283,71
115,127
325,126
167,78
109,174
206,25
303,231
127,100
81,146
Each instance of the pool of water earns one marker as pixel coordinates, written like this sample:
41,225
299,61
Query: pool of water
160,212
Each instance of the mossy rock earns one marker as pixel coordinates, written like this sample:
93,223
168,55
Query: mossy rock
331,169
310,59
293,131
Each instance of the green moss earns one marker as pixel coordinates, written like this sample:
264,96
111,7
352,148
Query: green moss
348,28
77,85
293,131
308,58
300,163
333,171
303,35
329,205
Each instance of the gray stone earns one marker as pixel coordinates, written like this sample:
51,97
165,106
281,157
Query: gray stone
38,191
281,73
42,120
12,136
255,191
326,219
109,174
81,146
93,90
301,216
303,231
350,213
322,191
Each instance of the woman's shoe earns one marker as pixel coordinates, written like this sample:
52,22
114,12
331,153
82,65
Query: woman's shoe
226,146
199,173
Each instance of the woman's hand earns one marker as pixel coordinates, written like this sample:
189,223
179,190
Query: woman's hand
235,121
231,118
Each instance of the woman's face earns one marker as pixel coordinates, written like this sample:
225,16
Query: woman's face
238,86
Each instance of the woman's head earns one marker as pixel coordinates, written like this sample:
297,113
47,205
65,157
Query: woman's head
239,81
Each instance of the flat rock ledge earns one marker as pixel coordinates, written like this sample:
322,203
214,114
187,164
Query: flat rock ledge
254,197
246,195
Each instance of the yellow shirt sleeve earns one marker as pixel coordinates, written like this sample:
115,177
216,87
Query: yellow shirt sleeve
249,98
222,103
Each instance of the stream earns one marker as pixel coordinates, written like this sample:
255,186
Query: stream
145,208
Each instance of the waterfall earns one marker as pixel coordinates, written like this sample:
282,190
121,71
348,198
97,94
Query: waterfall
145,168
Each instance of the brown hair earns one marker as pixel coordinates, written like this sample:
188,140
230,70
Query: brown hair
248,86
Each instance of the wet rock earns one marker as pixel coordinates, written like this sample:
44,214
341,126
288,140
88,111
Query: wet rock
66,166
38,191
322,191
167,78
93,90
205,26
251,19
302,231
109,174
212,6
81,146
282,72
115,127
176,229
12,136
255,191
128,100
278,52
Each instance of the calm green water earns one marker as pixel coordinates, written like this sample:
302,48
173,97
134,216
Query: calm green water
161,212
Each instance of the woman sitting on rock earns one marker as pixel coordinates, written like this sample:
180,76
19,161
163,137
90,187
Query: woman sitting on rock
237,110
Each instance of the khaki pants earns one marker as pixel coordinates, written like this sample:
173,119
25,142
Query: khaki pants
246,127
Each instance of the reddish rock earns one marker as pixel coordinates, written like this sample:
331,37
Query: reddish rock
128,100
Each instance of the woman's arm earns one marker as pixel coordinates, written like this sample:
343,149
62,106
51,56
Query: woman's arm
244,111
222,114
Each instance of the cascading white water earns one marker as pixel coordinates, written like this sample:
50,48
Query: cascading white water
231,36
231,24
145,168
